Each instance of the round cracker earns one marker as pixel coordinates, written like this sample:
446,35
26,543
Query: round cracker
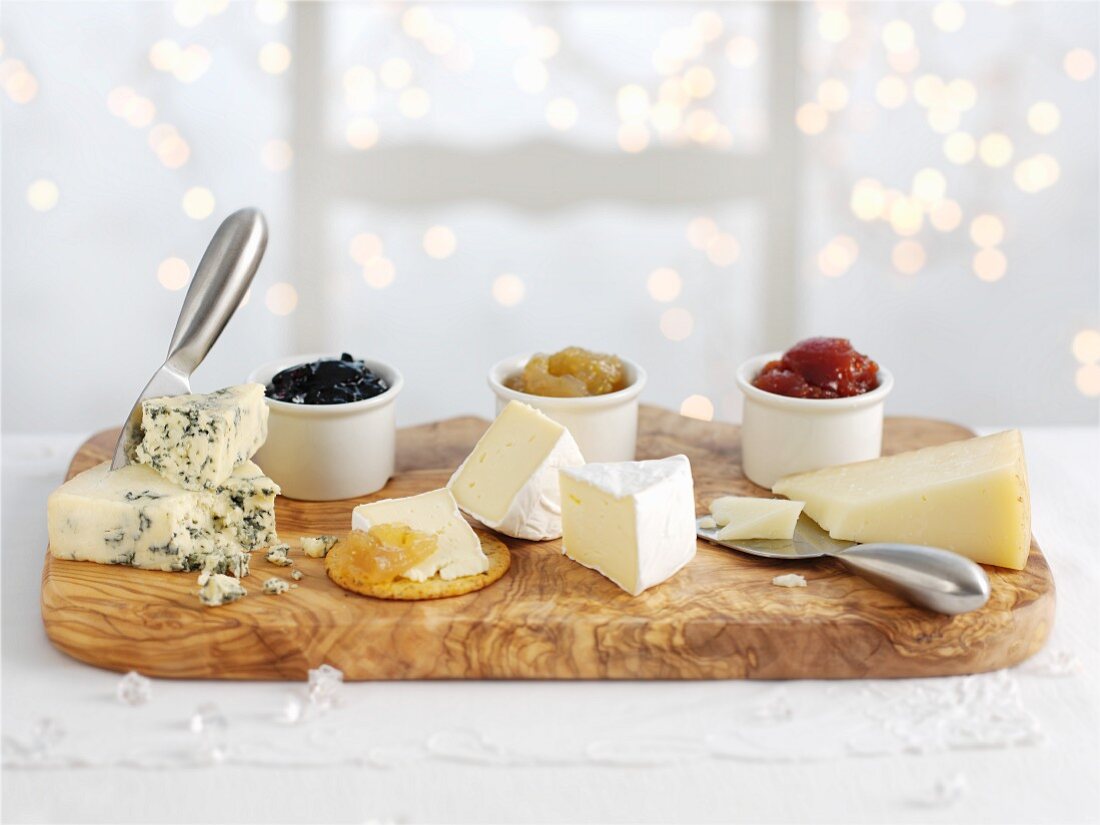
404,590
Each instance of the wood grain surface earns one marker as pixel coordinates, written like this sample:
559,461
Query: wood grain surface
719,618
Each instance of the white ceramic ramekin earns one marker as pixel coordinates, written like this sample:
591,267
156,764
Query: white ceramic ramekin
324,452
781,435
605,427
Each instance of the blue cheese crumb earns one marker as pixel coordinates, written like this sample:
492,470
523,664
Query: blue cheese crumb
789,580
275,585
296,575
277,555
317,547
220,589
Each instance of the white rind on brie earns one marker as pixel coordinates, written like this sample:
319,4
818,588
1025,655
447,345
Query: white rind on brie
509,482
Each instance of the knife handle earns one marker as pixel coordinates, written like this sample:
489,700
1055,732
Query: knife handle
928,577
221,280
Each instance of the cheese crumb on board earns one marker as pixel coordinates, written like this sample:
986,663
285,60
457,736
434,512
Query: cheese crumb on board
510,481
276,586
296,575
197,440
632,521
221,589
459,552
277,555
968,496
317,547
789,580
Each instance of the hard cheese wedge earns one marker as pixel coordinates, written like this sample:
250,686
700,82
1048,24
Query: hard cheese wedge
197,440
743,517
510,480
436,512
967,496
633,521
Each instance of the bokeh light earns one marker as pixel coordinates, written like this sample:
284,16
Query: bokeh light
1037,173
832,94
987,230
868,200
633,137
1043,117
508,289
837,256
891,91
1080,64
700,231
379,272
440,242
364,247
198,203
43,195
908,257
995,149
834,25
281,298
1088,380
929,185
270,11
946,215
276,155
723,249
948,16
664,284
361,133
960,147
677,323
274,58
561,113
811,118
1086,346
906,216
173,274
697,406
897,36
990,264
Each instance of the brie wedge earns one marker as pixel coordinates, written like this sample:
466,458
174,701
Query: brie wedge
510,480
633,521
459,552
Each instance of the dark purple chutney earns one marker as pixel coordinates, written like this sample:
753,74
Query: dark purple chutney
326,381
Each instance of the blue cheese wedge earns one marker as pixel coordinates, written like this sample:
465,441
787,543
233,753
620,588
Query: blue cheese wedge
221,589
435,512
197,440
134,516
317,547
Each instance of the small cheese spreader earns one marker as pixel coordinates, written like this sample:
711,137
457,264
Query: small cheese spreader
928,577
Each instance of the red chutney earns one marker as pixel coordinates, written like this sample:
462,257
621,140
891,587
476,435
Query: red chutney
819,368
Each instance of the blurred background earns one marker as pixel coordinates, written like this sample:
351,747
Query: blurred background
447,184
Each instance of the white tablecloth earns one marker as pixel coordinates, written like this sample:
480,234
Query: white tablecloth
1016,746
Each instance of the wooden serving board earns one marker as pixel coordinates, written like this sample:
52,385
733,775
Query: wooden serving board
719,618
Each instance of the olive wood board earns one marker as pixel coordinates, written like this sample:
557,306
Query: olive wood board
548,618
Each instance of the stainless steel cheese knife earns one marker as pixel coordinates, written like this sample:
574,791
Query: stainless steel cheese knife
926,576
221,280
